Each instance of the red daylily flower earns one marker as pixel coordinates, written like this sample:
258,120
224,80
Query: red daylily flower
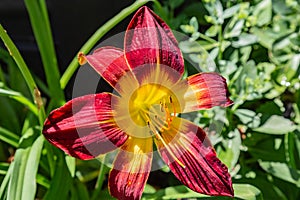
147,78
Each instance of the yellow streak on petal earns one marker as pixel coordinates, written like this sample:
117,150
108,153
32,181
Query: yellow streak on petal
160,138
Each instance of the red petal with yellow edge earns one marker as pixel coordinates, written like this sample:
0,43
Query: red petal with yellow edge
192,159
109,62
149,40
206,90
131,169
84,127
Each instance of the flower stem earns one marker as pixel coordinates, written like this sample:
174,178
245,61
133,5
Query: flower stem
97,36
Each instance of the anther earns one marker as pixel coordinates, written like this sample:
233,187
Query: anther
171,100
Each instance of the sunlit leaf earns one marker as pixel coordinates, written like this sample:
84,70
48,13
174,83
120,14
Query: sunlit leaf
276,125
282,171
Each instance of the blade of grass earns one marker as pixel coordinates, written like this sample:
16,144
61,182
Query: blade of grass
20,98
42,181
97,36
9,137
4,168
29,184
5,182
56,188
14,52
42,31
22,184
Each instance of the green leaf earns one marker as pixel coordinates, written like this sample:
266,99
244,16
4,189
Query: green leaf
233,28
263,12
230,151
215,10
194,23
233,10
175,3
276,125
9,137
71,163
281,7
242,191
80,191
22,184
9,119
42,181
24,70
248,117
18,59
149,189
245,39
247,192
42,31
175,192
265,146
266,37
5,183
61,182
4,168
282,171
212,31
20,98
29,184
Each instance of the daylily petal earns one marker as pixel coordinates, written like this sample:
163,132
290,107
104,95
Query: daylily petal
149,40
203,91
192,159
84,127
109,62
131,169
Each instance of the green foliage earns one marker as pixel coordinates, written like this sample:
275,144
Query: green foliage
255,45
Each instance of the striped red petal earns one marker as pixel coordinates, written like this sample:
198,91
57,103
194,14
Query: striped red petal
84,127
149,40
192,159
109,62
131,169
206,90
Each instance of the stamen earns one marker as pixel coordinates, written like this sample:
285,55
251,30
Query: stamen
159,137
173,105
168,116
170,151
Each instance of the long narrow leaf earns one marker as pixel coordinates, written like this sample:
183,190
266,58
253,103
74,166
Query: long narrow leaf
56,188
29,184
4,167
22,184
9,137
14,52
20,98
42,32
5,182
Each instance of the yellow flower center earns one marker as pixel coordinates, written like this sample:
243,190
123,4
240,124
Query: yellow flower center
153,104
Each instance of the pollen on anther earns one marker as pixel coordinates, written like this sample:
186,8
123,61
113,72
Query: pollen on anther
171,100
